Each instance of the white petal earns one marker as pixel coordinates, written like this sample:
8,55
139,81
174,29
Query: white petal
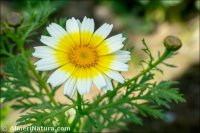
49,41
46,67
115,47
46,63
58,77
70,87
89,84
108,84
83,24
122,52
99,81
87,29
113,44
56,30
123,58
115,75
104,30
81,82
79,23
87,25
100,34
114,39
118,66
72,25
84,85
43,51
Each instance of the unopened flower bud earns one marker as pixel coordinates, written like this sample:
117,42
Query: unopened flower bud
172,43
14,19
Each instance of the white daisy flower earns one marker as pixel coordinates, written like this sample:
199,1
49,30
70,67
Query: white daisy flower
81,56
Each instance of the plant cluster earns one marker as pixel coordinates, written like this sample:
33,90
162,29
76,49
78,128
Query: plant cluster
140,96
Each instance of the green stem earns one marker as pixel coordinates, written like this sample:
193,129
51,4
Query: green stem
43,85
57,112
77,117
161,59
111,105
79,103
73,125
38,77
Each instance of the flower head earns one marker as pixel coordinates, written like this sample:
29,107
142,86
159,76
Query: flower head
82,56
172,43
14,19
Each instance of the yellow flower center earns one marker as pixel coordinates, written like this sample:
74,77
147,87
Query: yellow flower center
83,56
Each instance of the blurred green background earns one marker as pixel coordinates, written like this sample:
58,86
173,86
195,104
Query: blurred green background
152,20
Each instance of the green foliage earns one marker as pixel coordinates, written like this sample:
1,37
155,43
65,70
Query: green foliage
35,18
18,83
44,115
13,38
140,96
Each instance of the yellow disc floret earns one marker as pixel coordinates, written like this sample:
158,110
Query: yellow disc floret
83,56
